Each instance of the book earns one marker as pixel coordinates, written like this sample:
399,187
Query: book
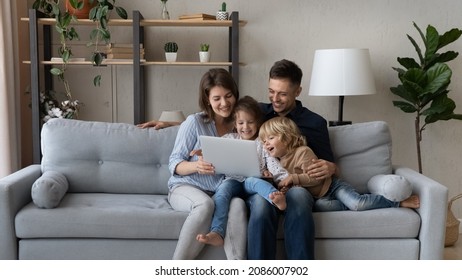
123,55
122,45
122,50
197,17
74,59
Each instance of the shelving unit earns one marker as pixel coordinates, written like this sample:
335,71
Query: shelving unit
138,24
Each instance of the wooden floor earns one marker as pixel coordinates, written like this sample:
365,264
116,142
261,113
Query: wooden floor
454,252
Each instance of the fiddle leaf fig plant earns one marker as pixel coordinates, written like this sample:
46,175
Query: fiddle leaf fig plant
424,83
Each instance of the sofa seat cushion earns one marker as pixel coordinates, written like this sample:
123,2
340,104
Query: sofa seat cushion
97,215
377,223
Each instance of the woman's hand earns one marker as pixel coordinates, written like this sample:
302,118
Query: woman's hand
203,167
321,169
157,124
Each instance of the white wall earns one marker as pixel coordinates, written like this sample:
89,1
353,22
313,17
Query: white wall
294,30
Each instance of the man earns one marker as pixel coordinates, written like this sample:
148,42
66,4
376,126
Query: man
283,89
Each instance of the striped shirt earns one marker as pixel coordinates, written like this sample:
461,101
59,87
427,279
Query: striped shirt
187,140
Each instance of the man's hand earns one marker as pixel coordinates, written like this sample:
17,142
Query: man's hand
157,124
321,169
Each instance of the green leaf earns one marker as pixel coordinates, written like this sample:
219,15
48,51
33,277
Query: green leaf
97,58
431,42
438,76
405,106
56,71
403,93
417,48
449,37
74,3
121,12
97,81
408,62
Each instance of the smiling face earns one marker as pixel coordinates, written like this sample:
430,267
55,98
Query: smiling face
222,102
275,146
246,125
282,95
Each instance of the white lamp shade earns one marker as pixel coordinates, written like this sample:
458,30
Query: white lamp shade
341,72
172,116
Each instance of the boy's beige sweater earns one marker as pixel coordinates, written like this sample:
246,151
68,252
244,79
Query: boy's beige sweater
296,163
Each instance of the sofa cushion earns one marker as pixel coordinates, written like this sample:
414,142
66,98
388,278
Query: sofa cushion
391,186
97,215
368,152
108,157
48,190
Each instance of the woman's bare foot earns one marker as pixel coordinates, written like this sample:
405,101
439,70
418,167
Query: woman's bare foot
279,200
411,202
211,238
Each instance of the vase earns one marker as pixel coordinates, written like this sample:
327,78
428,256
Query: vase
84,12
165,14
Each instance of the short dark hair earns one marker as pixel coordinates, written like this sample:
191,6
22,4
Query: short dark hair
215,77
286,69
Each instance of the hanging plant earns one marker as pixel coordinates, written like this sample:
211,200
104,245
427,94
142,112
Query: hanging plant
101,14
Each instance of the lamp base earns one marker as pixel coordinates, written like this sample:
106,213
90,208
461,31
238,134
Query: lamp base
338,123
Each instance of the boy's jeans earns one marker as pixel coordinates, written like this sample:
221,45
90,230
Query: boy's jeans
342,196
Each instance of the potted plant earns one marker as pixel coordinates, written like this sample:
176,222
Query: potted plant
83,8
66,33
100,14
424,84
222,14
204,54
171,49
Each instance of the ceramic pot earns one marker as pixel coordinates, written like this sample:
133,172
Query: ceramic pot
204,56
222,15
170,56
84,12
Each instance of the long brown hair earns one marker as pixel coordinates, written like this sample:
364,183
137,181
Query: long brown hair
212,78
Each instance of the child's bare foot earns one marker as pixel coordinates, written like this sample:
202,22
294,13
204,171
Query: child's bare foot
279,200
411,202
211,238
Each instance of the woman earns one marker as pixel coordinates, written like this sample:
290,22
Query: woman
193,179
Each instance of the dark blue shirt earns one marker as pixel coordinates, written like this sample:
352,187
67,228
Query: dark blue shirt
311,125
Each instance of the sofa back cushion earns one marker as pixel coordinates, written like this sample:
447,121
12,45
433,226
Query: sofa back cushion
361,151
108,157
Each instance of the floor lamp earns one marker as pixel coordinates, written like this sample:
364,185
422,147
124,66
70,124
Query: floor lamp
341,72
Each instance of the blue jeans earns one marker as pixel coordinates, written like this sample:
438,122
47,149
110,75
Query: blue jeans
231,188
298,226
222,198
342,196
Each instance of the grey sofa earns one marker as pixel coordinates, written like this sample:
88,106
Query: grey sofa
116,204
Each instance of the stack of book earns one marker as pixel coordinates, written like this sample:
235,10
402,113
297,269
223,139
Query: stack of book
122,51
197,17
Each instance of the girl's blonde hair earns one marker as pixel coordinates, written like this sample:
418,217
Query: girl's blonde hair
284,128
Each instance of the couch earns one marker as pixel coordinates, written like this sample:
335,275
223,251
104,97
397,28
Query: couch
114,204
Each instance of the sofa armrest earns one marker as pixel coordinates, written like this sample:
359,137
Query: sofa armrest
433,209
15,193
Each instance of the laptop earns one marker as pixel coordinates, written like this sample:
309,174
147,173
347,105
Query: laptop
231,156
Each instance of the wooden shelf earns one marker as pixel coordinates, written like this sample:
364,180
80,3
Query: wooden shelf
147,22
145,63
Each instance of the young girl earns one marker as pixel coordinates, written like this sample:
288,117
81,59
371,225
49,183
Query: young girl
282,139
247,116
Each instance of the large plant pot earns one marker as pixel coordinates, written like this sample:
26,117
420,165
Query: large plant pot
84,12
